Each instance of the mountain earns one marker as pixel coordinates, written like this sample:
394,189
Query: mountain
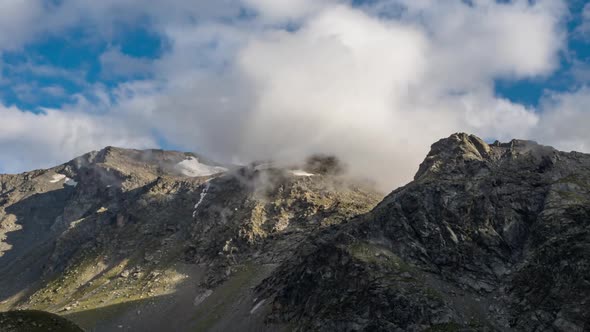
158,240
487,237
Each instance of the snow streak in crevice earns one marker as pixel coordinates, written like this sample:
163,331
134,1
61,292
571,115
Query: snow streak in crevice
203,194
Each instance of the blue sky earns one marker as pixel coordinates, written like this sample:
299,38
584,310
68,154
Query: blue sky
565,78
246,79
70,61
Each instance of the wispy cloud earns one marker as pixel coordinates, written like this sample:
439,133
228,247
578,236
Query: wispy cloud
116,64
583,29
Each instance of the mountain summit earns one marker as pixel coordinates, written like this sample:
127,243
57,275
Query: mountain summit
488,237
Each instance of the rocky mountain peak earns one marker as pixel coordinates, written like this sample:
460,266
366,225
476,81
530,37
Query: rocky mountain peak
466,153
488,237
452,152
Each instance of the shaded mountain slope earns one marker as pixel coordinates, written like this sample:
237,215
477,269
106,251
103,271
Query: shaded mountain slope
487,237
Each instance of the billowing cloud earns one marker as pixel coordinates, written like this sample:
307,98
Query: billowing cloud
374,84
376,92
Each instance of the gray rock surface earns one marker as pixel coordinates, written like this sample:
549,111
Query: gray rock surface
488,237
136,235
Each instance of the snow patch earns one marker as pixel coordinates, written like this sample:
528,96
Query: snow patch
257,306
300,172
60,177
57,177
192,167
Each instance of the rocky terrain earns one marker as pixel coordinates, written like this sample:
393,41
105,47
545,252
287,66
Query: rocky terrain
488,237
125,239
35,321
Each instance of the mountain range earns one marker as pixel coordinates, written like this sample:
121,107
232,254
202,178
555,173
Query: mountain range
487,237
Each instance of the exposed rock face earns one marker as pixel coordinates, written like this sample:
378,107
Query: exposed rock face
486,238
135,229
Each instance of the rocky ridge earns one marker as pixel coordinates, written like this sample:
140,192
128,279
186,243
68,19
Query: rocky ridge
124,231
488,237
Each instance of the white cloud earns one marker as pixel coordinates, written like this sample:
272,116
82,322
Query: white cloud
565,120
377,92
25,21
30,140
16,19
374,88
333,86
490,39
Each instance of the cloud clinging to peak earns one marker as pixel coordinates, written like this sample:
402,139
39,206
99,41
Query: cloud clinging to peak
375,83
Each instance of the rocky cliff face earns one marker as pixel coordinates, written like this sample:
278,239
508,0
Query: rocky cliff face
486,238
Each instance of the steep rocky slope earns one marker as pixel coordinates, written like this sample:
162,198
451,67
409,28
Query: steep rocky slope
158,240
486,238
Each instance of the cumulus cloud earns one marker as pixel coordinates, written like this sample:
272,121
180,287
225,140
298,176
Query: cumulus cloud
374,84
29,141
376,92
340,97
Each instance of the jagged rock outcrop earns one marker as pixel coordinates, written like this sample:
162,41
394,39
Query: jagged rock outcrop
486,238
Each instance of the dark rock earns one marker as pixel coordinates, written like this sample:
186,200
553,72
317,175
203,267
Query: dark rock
486,238
506,223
